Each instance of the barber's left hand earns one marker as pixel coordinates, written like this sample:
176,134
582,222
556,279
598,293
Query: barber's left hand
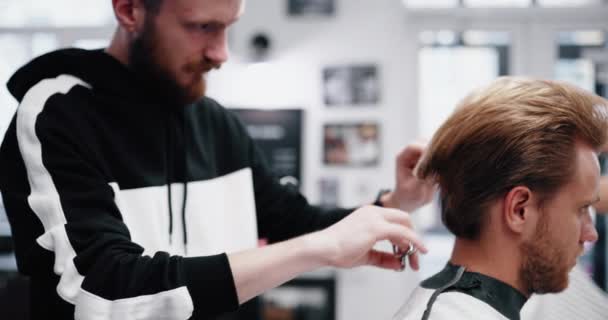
410,193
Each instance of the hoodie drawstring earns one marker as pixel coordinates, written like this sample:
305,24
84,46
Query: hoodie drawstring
185,181
169,170
170,161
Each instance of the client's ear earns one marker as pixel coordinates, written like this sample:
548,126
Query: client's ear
519,208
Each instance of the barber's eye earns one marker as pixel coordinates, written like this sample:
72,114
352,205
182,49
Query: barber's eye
202,27
208,27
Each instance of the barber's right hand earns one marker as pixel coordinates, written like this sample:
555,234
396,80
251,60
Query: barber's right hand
349,243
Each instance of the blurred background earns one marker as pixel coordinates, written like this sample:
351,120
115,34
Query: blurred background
332,90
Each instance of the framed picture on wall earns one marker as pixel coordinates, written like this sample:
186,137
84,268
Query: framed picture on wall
351,85
311,8
351,144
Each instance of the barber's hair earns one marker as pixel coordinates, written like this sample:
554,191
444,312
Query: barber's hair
152,6
515,132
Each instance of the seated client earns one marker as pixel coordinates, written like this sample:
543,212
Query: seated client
518,172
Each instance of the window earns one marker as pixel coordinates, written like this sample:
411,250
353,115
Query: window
568,3
93,43
437,4
497,3
15,52
431,3
456,62
56,13
581,59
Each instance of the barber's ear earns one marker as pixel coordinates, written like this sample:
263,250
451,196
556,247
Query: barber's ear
519,208
130,14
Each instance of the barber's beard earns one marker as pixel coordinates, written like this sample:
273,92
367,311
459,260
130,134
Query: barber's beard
544,267
147,61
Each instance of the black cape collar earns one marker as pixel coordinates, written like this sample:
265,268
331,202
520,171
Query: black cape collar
499,295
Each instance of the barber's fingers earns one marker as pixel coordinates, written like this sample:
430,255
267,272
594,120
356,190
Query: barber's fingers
409,157
401,218
397,216
383,260
402,236
414,261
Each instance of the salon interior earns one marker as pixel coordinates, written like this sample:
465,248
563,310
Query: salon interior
332,90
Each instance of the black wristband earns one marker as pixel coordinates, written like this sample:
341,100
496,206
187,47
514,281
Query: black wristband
378,201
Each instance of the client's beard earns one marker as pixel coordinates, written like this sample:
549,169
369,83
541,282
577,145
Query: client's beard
544,268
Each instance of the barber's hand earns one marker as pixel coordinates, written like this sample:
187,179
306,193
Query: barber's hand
349,243
410,192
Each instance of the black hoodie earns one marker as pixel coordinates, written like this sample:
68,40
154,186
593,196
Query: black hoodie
89,167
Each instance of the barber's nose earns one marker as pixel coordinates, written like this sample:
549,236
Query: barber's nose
589,233
217,51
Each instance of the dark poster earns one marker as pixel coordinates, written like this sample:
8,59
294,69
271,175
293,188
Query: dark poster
278,133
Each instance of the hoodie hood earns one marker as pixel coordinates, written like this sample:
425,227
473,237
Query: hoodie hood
95,67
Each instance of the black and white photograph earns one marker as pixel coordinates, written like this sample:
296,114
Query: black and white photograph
311,8
353,144
351,85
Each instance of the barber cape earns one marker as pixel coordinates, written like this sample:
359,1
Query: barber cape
456,294
583,299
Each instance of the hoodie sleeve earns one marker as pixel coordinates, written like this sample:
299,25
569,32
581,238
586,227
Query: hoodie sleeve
59,201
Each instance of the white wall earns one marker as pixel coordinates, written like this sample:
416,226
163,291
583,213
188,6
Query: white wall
362,31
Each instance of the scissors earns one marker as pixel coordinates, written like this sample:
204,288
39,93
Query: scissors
404,255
